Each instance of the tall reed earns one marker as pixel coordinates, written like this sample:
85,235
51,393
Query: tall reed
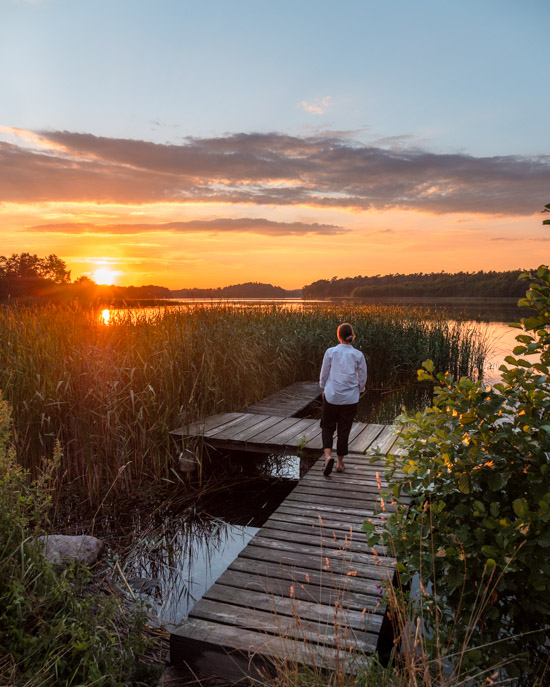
111,393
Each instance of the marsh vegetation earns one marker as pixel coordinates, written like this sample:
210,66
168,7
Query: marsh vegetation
110,394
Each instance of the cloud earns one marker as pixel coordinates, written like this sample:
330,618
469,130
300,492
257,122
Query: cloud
269,169
318,107
243,225
521,238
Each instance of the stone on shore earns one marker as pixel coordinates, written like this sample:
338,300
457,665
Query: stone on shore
62,548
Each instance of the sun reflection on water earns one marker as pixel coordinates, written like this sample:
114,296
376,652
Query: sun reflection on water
106,316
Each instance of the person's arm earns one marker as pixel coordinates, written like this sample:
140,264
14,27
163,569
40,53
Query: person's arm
325,370
362,373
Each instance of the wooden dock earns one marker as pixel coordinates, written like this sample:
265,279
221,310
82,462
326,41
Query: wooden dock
275,434
305,590
289,401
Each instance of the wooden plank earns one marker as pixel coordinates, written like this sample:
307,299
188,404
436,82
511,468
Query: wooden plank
267,435
226,429
330,564
249,433
325,524
384,440
363,441
318,509
289,401
199,427
303,431
342,583
315,632
283,438
307,535
327,550
287,605
340,488
366,599
323,502
354,516
212,637
233,432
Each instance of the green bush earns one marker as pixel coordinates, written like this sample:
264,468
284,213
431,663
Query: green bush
476,532
53,631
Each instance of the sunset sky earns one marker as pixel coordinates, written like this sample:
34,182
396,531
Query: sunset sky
205,143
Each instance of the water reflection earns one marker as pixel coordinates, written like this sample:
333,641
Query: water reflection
173,566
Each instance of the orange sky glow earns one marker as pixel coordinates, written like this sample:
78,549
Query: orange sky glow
132,212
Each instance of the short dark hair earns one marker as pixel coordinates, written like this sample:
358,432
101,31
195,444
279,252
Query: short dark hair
345,332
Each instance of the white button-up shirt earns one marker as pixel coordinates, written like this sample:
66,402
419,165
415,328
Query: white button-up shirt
343,374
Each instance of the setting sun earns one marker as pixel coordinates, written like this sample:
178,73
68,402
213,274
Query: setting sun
104,275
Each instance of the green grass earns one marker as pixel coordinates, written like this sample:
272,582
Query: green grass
111,393
56,626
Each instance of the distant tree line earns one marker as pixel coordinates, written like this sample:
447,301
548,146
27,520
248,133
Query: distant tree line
435,284
248,290
26,276
23,274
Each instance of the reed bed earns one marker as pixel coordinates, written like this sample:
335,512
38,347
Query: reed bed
110,393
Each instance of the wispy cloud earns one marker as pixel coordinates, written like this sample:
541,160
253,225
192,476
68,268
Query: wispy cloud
521,238
242,225
268,169
318,107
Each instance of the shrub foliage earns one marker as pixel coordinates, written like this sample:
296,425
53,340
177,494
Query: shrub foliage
476,531
53,630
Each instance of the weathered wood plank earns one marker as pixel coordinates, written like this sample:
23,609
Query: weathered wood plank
214,431
249,433
344,490
248,421
310,562
286,435
363,440
327,550
196,428
266,437
307,535
306,429
385,440
255,646
285,604
317,632
288,401
340,582
365,599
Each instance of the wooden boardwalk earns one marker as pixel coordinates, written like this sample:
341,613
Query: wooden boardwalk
275,434
288,401
306,589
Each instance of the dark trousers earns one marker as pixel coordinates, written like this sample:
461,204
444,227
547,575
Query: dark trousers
337,418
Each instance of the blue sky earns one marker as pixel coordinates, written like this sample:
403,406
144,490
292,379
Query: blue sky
439,84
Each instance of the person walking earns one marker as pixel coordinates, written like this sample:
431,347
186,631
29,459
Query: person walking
342,380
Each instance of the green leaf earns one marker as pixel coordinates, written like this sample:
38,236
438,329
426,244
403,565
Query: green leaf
520,507
464,483
368,527
497,480
428,365
489,551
